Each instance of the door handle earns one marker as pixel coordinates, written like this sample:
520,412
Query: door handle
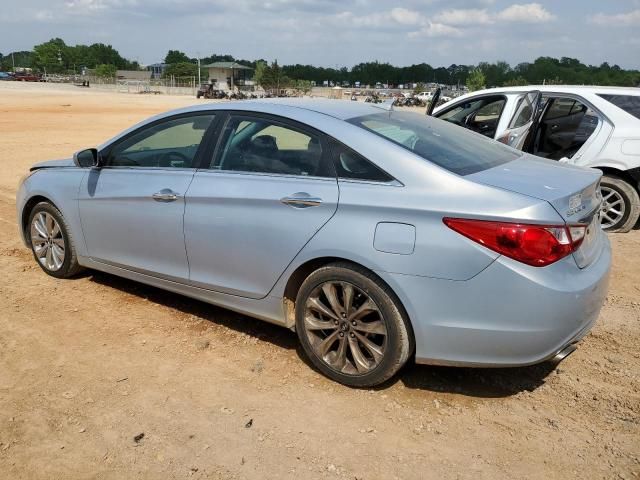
165,195
301,200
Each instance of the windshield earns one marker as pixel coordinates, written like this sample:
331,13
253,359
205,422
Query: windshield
449,146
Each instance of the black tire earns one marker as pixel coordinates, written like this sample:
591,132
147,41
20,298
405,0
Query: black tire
399,342
70,265
631,201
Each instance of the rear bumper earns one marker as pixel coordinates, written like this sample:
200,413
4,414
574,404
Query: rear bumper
510,314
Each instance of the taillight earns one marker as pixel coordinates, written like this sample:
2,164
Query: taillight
537,245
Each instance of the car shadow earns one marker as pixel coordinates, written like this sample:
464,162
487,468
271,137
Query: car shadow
471,382
274,334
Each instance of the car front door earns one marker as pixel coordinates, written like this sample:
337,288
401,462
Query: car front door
526,115
480,114
132,207
269,189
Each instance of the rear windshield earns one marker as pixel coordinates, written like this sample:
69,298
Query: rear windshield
449,146
628,103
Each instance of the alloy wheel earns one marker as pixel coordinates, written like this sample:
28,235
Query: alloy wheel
47,241
345,328
613,207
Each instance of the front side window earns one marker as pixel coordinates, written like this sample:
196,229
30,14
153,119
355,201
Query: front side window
524,112
452,148
265,146
481,115
167,144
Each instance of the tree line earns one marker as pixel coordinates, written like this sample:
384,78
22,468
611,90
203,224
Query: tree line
55,56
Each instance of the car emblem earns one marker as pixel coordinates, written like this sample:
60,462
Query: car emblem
575,204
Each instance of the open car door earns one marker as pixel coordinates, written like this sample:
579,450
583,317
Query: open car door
434,101
525,117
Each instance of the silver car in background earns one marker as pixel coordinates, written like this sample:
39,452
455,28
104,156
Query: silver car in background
378,236
596,127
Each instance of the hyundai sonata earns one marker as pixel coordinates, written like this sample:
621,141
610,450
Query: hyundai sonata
377,235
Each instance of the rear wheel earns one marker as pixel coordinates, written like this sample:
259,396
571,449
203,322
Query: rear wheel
351,325
51,241
621,204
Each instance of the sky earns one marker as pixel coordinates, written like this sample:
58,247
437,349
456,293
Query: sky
334,33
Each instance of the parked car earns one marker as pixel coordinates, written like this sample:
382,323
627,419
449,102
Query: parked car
595,127
28,77
5,76
426,97
377,235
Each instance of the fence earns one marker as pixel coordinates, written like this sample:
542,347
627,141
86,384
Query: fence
169,86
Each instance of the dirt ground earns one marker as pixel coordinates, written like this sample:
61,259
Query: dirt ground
101,377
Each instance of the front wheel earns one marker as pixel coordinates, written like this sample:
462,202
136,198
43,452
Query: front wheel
351,325
620,206
51,241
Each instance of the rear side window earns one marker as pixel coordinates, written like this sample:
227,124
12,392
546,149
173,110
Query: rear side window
628,103
455,149
353,166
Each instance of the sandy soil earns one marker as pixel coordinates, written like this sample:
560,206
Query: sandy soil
90,364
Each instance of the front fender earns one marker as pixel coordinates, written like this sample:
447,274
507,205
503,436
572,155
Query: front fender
59,186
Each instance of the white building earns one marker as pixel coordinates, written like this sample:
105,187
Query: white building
230,75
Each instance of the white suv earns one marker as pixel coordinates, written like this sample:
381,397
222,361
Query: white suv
595,127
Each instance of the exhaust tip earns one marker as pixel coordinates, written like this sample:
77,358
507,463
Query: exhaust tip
564,353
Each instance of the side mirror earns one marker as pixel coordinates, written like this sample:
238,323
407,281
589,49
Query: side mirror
86,158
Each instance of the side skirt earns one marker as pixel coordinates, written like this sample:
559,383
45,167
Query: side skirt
269,309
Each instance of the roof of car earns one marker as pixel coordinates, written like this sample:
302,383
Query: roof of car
297,108
339,109
563,89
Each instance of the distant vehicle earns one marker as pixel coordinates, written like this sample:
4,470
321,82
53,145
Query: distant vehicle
28,77
427,96
5,76
377,235
208,90
595,127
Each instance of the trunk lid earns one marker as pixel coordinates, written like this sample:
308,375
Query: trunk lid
572,191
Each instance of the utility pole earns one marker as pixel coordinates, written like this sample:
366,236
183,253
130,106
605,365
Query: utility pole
198,70
13,62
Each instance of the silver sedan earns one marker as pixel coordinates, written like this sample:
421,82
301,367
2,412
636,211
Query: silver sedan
377,235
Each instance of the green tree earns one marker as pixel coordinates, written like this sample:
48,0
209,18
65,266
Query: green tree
51,56
273,77
475,80
515,82
303,85
258,72
21,59
176,56
182,69
105,71
420,87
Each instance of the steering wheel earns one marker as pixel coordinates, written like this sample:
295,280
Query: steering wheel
166,159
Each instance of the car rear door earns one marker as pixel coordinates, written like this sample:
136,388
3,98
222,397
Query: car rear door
132,208
269,188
